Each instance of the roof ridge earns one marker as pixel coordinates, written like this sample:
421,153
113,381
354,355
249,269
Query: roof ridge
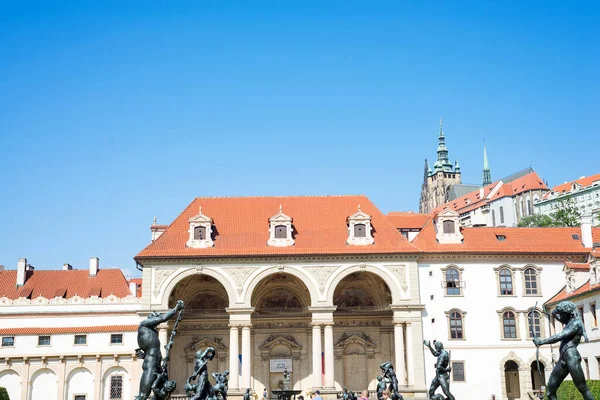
280,196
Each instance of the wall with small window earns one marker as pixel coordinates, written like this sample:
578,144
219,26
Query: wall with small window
503,211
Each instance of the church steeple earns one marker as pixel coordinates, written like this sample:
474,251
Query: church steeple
442,163
487,175
426,172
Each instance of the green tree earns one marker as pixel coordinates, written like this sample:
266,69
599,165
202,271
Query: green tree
567,215
536,221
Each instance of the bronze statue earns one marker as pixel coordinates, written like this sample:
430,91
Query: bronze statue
153,374
388,372
381,386
569,361
221,384
247,394
202,389
442,369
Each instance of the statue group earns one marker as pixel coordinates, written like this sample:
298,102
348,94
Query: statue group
155,376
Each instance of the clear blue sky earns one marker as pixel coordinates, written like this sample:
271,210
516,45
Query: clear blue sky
115,112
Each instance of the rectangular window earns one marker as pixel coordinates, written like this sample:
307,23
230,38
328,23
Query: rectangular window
80,397
458,371
116,338
8,341
80,339
580,309
598,363
43,340
586,368
116,387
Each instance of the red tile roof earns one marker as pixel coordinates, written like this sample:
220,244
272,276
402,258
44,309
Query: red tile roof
476,198
242,226
567,187
578,266
70,282
483,240
563,295
407,220
76,329
138,283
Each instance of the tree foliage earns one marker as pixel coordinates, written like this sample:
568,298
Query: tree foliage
567,214
3,394
568,391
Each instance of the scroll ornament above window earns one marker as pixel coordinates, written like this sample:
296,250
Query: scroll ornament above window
359,229
200,231
280,230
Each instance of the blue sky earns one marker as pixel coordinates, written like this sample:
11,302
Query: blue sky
115,112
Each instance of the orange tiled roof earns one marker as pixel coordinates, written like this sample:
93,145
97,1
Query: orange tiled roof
407,220
65,283
566,187
242,226
138,283
476,198
578,266
516,240
76,329
563,295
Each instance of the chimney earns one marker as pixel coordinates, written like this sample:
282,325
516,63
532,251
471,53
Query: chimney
94,266
586,231
133,288
67,267
21,271
157,230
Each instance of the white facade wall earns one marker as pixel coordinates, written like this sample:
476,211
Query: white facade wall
483,349
587,201
508,209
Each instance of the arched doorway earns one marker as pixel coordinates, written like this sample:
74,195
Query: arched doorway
362,300
11,380
537,380
280,321
44,385
80,382
205,324
511,374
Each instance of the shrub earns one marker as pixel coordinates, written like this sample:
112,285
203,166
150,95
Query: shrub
3,394
568,391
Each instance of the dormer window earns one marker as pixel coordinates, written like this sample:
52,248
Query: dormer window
359,229
280,230
200,231
447,228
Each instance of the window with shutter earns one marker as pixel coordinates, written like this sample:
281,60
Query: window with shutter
280,232
200,233
360,230
449,227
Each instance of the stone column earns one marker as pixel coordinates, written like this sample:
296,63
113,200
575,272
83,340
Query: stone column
246,357
399,353
62,378
163,337
410,359
316,359
234,366
98,379
329,373
25,380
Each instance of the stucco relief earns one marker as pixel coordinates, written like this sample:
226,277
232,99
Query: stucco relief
160,276
400,272
321,273
239,275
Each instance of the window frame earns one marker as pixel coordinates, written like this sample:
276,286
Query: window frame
8,345
110,387
528,323
501,215
538,280
79,344
511,270
116,335
76,395
493,218
464,374
44,336
448,222
462,315
517,327
594,313
200,230
364,230
460,280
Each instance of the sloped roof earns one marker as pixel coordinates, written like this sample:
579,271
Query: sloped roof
577,266
242,227
503,240
407,220
479,197
567,187
64,283
581,290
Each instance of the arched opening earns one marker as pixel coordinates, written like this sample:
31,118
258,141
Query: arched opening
44,385
80,382
281,302
362,301
11,381
116,384
537,379
204,324
511,375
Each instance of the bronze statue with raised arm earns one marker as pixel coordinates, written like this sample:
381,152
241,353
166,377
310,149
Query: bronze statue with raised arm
150,349
569,361
442,369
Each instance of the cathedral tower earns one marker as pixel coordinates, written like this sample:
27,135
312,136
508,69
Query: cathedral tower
437,182
487,175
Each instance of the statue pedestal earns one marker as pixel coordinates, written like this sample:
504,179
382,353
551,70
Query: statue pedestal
286,394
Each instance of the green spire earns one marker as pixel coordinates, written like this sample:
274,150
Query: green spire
442,163
487,175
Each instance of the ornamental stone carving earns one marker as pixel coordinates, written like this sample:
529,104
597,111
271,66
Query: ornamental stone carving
289,341
200,327
321,273
159,277
198,343
400,272
239,275
361,339
357,323
274,325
